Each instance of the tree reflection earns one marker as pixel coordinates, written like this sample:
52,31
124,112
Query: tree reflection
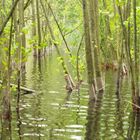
93,118
134,126
6,115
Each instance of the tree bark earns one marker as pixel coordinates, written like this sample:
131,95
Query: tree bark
95,44
88,50
38,28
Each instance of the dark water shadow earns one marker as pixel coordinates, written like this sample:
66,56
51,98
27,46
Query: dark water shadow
22,130
119,118
5,114
133,132
19,122
6,133
93,118
37,67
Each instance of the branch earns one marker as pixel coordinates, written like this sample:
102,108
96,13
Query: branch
9,16
27,4
72,30
60,30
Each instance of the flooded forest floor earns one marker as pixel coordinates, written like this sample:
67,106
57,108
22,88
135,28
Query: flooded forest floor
53,114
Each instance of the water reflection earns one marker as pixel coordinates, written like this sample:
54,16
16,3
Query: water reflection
93,118
119,119
53,114
19,121
6,130
134,126
5,113
109,117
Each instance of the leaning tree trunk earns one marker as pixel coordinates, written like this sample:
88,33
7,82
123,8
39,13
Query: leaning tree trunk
68,78
60,30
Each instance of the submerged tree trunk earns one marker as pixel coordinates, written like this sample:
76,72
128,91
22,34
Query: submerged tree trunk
94,31
88,49
136,51
128,51
6,101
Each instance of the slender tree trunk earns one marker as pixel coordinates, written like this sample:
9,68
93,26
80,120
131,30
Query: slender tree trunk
6,102
77,64
136,50
22,37
111,53
34,25
38,28
131,66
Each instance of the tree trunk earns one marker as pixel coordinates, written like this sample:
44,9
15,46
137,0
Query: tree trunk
136,51
33,26
67,74
95,44
22,40
38,28
88,49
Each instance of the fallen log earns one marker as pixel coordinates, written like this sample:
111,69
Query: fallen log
27,90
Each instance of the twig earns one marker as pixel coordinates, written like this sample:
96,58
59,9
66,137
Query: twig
72,30
60,30
133,104
27,4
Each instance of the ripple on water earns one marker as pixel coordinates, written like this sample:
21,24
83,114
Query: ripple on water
32,134
34,125
75,126
68,130
53,92
76,137
51,110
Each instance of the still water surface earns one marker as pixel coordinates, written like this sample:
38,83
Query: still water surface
53,114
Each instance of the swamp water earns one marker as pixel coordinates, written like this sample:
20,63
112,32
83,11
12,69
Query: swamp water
53,114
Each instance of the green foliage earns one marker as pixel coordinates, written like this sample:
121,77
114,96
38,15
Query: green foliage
60,60
14,88
132,53
73,61
25,30
33,41
120,2
57,42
